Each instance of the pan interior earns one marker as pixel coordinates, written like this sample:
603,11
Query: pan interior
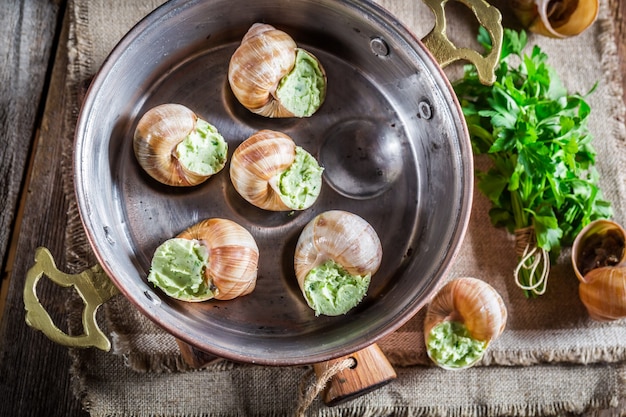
390,137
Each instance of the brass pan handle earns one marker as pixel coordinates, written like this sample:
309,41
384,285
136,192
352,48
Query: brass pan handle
94,287
446,52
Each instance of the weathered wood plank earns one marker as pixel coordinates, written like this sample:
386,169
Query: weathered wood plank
35,372
27,34
618,7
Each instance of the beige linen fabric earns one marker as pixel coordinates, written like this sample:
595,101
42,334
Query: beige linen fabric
577,364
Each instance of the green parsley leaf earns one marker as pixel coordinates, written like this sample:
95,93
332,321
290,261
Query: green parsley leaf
536,135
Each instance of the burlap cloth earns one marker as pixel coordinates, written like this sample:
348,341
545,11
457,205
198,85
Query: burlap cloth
552,359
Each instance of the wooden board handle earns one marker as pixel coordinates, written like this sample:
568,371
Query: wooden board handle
371,370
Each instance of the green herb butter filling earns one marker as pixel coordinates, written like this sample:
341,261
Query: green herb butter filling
178,269
302,90
330,290
451,345
203,151
300,185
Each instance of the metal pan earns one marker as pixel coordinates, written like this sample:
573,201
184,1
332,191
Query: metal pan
390,135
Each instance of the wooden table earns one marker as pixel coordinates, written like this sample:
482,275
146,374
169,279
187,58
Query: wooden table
35,375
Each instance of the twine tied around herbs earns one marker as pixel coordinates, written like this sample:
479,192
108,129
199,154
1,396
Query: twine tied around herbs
308,394
531,258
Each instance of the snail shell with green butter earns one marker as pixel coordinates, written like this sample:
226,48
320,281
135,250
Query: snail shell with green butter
271,172
176,147
336,256
215,258
464,316
270,76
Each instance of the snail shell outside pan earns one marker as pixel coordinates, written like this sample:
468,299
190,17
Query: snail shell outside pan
271,172
175,147
336,255
599,261
556,18
215,258
465,315
270,76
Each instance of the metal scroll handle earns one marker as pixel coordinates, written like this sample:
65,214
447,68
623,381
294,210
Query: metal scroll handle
94,287
445,52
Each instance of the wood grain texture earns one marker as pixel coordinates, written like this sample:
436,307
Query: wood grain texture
618,8
27,35
369,371
35,372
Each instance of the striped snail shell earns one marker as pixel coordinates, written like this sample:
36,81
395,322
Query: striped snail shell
175,147
476,309
271,172
215,258
270,76
336,255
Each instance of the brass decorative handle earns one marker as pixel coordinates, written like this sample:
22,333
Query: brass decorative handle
94,287
446,52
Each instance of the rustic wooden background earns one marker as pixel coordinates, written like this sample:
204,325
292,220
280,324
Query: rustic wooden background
34,372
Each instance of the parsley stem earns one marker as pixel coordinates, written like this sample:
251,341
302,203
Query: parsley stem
525,274
519,214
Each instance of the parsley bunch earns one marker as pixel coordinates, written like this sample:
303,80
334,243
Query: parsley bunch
542,178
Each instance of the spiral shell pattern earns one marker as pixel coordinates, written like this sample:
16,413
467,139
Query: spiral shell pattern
344,237
266,55
159,131
256,165
472,302
233,256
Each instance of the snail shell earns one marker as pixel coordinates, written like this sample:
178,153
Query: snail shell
556,18
266,55
341,236
233,256
604,293
469,301
599,261
157,136
231,267
256,166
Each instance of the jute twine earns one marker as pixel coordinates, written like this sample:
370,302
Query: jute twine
308,394
531,258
